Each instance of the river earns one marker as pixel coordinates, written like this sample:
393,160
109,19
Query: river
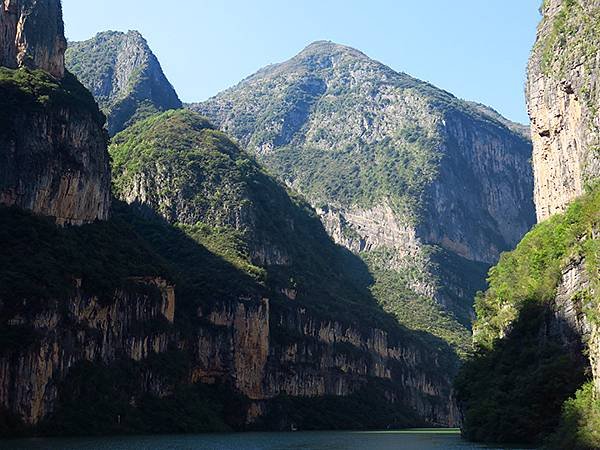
334,440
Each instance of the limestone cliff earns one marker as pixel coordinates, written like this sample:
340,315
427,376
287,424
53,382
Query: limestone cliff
301,340
32,35
52,145
546,294
80,329
52,148
537,324
123,75
563,103
391,163
563,100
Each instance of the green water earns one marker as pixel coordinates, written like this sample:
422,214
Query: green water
333,440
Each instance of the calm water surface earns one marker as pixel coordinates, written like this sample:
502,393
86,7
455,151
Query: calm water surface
386,440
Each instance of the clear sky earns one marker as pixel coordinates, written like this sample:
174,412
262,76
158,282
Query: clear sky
476,49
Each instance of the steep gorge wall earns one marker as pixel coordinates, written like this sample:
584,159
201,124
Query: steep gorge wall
52,144
230,344
563,101
55,164
32,35
54,161
66,333
391,163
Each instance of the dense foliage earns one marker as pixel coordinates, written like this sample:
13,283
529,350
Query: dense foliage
514,392
35,90
580,422
207,262
514,387
414,311
532,271
41,261
218,196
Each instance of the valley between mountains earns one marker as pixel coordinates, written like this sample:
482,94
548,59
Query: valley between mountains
329,244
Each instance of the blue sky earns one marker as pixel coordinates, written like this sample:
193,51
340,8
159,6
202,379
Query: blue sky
476,49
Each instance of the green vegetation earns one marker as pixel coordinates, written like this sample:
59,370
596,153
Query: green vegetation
415,312
513,388
227,243
230,232
573,40
580,423
218,196
532,272
93,60
41,261
366,409
514,392
138,94
398,169
351,134
35,90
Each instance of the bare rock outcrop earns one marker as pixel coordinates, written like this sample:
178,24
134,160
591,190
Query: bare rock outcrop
562,99
53,153
32,35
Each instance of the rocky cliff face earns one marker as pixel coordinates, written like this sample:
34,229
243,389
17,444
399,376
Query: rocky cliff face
300,342
389,161
32,35
124,76
81,329
555,265
563,98
52,146
263,306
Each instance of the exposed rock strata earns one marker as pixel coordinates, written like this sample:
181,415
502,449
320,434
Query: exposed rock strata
54,163
52,146
234,346
82,329
32,35
562,100
344,129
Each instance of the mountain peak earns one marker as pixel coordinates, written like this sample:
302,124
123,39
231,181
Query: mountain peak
124,75
329,48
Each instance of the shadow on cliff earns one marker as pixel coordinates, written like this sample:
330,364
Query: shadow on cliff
201,277
514,392
331,283
327,279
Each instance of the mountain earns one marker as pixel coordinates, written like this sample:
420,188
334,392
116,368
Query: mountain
563,106
204,297
322,334
427,188
53,158
123,75
32,36
536,376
